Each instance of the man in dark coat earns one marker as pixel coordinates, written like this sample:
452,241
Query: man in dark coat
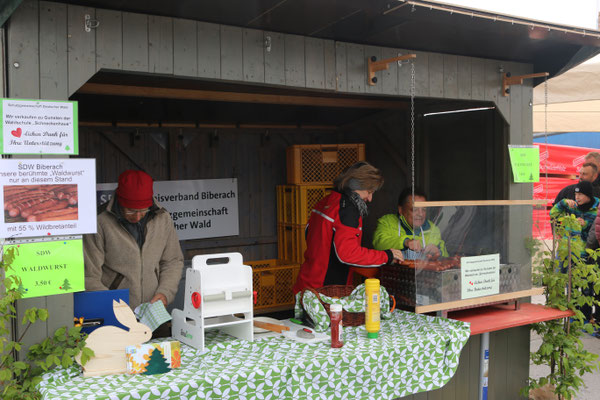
587,173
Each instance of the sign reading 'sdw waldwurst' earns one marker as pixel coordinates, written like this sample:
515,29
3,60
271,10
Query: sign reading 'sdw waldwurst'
200,209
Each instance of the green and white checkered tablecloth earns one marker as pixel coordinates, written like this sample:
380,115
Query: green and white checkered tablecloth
414,353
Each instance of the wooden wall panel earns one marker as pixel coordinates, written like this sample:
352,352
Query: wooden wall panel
498,368
356,68
253,55
341,69
464,77
231,53
492,80
295,74
135,42
389,77
82,47
315,63
421,73
450,76
478,79
54,78
109,39
160,45
209,50
3,63
329,54
405,71
436,75
185,47
275,58
23,49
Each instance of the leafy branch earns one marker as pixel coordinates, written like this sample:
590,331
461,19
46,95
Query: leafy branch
568,271
19,379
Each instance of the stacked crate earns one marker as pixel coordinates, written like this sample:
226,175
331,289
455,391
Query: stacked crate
310,171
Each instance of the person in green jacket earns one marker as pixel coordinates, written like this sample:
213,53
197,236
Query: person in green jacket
409,230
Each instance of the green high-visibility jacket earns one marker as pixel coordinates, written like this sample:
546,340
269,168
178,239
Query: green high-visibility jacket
392,230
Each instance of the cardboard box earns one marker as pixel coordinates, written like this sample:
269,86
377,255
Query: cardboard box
153,358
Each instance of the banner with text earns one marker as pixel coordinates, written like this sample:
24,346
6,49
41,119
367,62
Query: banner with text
38,127
480,276
200,209
45,197
48,267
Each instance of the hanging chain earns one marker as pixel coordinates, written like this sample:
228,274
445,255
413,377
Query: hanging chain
412,128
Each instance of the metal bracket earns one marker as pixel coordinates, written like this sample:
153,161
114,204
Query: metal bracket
90,23
508,80
375,65
268,44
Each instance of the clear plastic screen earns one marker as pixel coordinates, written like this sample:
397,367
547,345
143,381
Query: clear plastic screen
457,252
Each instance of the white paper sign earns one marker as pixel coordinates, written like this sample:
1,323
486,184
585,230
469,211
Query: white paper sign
200,208
44,197
480,275
38,127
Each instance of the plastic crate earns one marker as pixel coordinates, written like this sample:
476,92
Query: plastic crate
291,242
320,164
273,280
295,203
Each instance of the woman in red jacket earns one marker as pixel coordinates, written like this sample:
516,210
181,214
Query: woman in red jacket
334,231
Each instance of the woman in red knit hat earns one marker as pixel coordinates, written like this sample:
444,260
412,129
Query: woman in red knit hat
136,246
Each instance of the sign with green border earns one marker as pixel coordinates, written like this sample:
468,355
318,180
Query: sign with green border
53,266
525,162
39,127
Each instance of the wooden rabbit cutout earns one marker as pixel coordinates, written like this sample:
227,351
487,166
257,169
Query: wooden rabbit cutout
109,343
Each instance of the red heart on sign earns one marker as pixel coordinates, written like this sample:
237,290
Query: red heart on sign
16,133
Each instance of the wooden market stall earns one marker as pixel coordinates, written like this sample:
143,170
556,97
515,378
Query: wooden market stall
198,93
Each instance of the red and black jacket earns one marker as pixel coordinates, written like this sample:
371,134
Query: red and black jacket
333,244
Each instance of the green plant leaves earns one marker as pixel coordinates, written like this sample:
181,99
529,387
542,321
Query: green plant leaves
561,347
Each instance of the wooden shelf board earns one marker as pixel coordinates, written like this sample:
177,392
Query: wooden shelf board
458,304
499,317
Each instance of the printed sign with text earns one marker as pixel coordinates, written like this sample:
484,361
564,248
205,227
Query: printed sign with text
480,276
48,267
38,127
45,197
200,209
525,163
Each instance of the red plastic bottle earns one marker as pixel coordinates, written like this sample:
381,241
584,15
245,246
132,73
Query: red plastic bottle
336,325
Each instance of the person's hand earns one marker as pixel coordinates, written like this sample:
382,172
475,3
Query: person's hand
161,297
432,249
398,256
571,203
414,245
581,221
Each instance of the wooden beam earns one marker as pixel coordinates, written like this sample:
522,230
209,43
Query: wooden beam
237,97
193,125
458,304
481,203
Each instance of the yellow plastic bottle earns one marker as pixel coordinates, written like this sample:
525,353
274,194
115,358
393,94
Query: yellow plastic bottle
373,308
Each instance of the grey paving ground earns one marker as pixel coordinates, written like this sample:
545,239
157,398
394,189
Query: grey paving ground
592,380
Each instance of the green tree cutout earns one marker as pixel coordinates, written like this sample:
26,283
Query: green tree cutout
157,364
66,285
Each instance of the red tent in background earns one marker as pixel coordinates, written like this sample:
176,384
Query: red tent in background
562,163
561,160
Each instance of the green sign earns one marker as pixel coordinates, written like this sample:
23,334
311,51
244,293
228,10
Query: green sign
525,162
38,127
48,267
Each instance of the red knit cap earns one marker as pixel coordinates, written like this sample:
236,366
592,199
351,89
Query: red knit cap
135,190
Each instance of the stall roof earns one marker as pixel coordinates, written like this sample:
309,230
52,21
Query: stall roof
405,24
